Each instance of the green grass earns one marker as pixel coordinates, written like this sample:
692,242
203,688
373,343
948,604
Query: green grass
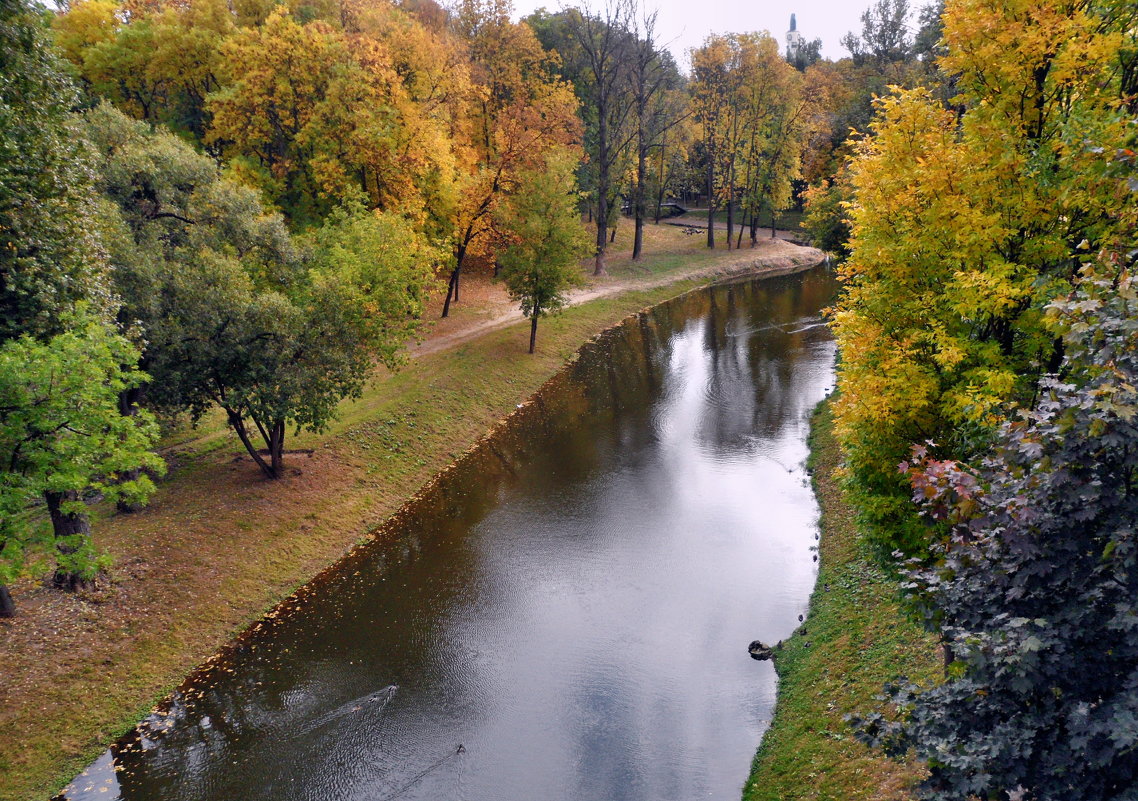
856,638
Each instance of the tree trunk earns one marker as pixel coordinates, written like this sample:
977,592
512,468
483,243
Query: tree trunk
773,234
452,284
452,291
276,448
710,206
638,194
742,226
72,530
755,229
238,425
612,234
533,330
599,267
7,606
730,213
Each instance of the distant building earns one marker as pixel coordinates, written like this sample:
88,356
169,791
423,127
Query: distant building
794,41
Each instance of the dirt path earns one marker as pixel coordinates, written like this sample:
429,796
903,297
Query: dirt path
498,311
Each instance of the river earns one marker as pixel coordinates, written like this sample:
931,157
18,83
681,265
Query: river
564,615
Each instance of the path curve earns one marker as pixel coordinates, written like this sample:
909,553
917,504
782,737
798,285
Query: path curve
771,257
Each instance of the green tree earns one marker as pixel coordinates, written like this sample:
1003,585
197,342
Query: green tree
271,358
598,48
49,256
884,33
232,312
51,259
62,437
166,214
825,219
544,260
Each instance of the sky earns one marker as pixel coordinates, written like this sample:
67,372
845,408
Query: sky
683,24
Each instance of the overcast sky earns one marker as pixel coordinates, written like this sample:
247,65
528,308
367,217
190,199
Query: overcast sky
685,23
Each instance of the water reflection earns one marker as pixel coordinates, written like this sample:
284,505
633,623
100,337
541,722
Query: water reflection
571,603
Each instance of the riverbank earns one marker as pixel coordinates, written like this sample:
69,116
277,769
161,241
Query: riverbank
219,545
854,640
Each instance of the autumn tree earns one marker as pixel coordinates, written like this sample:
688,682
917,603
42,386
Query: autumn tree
669,160
965,227
282,83
604,42
751,110
653,80
712,90
543,261
314,117
521,113
888,51
775,112
1034,593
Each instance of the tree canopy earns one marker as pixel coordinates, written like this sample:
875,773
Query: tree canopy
964,227
1035,591
49,258
541,263
63,437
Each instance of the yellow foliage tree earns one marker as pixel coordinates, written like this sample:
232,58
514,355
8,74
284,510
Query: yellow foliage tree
964,226
315,116
519,114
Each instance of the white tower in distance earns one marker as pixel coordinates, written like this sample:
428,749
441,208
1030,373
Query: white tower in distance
794,40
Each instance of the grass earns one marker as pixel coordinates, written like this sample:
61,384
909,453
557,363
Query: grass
855,639
219,545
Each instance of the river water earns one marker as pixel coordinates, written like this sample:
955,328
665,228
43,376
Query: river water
571,603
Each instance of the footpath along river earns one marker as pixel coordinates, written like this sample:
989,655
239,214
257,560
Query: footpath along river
564,615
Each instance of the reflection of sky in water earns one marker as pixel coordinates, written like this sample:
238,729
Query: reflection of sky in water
580,625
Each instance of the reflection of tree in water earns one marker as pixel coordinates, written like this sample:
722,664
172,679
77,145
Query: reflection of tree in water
755,336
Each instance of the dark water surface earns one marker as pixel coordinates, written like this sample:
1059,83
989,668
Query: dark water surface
571,603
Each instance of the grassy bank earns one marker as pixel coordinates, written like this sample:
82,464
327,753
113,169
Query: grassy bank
219,545
856,638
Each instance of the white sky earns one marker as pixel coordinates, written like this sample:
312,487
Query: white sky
683,24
